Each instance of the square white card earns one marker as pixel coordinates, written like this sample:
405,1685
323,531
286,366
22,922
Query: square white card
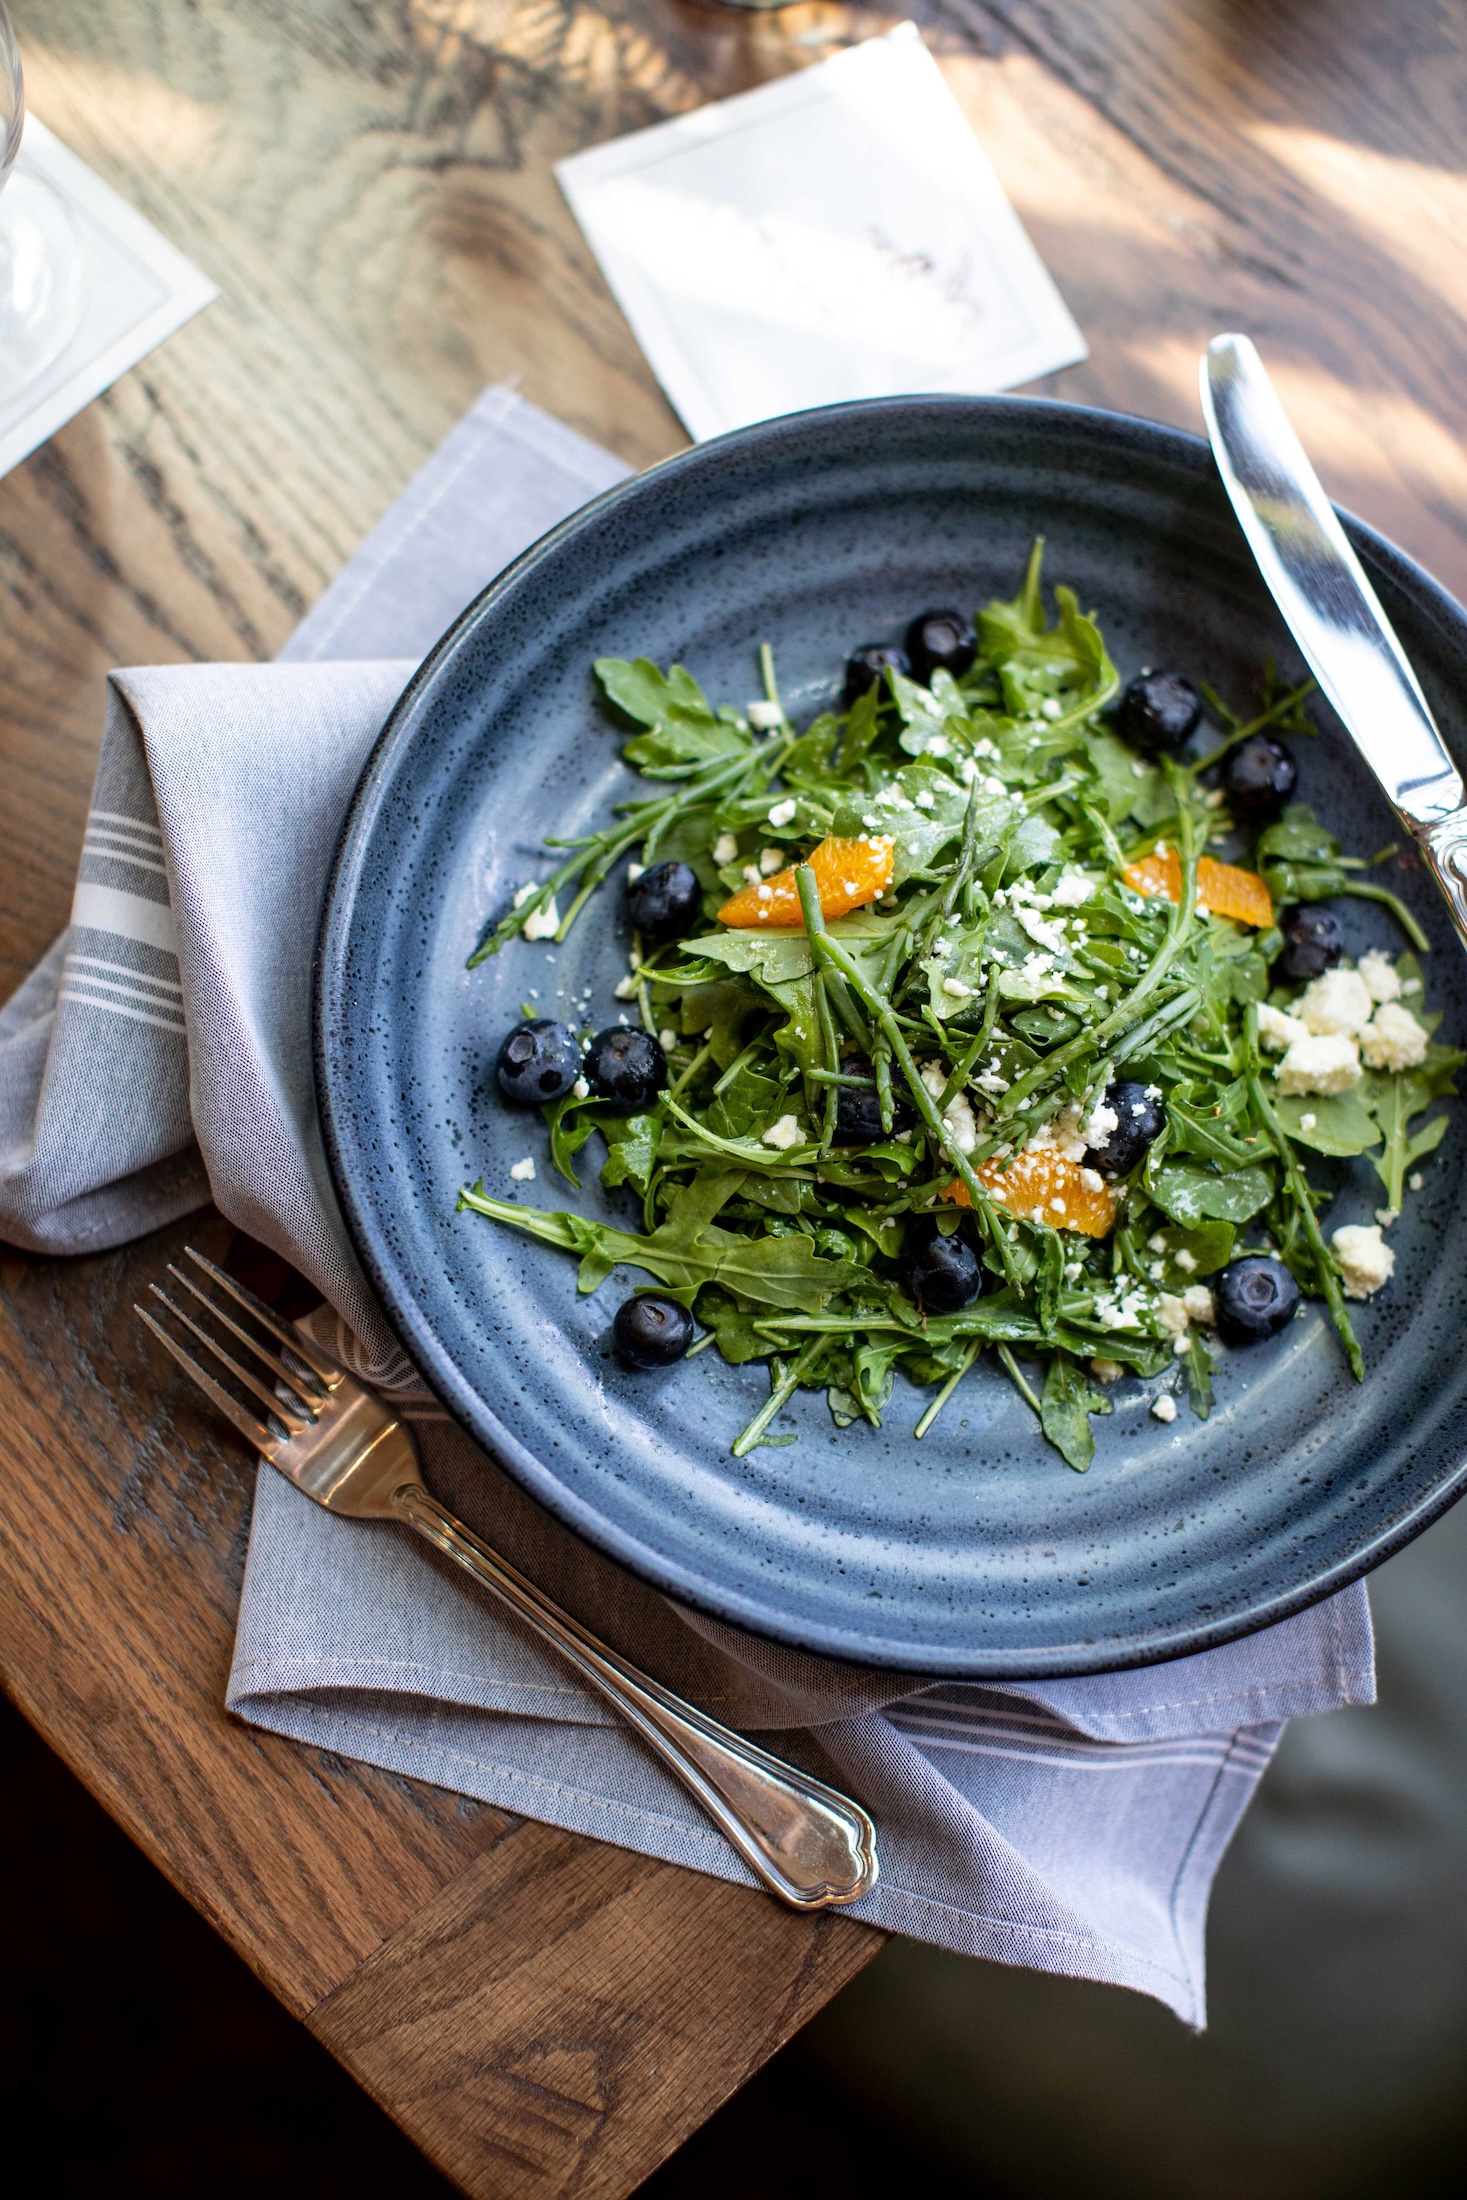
837,234
135,290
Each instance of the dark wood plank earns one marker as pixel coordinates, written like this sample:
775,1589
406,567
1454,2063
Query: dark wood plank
560,2018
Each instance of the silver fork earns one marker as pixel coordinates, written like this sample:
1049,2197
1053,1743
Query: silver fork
811,1846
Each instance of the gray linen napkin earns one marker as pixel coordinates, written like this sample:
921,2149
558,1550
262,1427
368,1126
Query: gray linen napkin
160,1054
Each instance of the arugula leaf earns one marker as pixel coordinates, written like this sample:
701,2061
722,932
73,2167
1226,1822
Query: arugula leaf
1192,1195
1396,1100
688,1250
632,1143
1339,1122
685,731
1066,1404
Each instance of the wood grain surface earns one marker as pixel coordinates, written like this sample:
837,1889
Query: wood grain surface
369,181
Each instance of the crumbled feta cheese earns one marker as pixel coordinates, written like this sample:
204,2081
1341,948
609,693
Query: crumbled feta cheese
1186,1261
1307,1122
1067,1134
1102,1122
934,1077
771,860
1050,936
1156,1243
1416,1180
783,1134
1107,1371
960,1125
1157,1270
635,870
1335,1003
763,716
725,850
765,891
625,988
1385,1216
1197,1299
580,1090
1071,889
782,813
1074,1270
1277,1030
523,1172
1379,976
1171,1312
956,988
994,786
523,893
752,874
924,800
1092,1180
1410,985
1393,1039
1366,1261
667,1039
544,923
1324,1064
1051,707
1165,1407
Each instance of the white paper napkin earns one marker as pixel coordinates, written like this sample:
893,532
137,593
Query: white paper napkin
134,288
836,234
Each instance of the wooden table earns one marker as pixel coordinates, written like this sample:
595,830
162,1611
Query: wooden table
370,183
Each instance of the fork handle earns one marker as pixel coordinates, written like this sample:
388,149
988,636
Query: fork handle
810,1845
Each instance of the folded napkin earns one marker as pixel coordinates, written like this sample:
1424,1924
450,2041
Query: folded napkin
160,1055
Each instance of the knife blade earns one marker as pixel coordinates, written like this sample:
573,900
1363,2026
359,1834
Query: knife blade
1331,609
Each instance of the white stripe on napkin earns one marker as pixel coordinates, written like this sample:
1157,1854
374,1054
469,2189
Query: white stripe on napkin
130,916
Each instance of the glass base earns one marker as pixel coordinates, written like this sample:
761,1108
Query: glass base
40,281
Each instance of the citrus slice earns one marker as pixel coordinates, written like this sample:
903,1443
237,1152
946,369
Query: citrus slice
1041,1186
1221,887
849,874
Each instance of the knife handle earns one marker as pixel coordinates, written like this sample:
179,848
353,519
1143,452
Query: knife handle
1444,846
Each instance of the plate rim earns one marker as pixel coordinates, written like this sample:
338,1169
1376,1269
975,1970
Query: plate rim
429,1357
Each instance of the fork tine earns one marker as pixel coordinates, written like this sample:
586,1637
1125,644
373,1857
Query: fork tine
267,1398
262,1438
311,1394
291,1338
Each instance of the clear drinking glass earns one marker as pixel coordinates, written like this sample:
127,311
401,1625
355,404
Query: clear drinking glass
40,252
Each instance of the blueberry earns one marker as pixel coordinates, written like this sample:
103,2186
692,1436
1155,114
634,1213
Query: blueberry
1313,942
858,1111
1139,1119
1158,711
625,1067
539,1061
941,641
943,1273
665,901
1259,776
651,1332
868,664
1253,1298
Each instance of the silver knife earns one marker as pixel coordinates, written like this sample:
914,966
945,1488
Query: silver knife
1331,609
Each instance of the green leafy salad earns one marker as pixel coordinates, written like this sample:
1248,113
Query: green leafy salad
1000,1010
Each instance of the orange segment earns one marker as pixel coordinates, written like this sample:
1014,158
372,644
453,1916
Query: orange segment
1041,1186
849,873
1221,887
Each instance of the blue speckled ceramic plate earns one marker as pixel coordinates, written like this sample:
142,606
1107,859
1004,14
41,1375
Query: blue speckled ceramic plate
976,1551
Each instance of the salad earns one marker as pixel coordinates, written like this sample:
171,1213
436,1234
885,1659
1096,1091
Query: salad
947,1031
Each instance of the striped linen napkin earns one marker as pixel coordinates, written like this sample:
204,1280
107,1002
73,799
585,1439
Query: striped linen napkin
160,1056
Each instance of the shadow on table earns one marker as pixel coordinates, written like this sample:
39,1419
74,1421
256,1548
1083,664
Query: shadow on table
140,2058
